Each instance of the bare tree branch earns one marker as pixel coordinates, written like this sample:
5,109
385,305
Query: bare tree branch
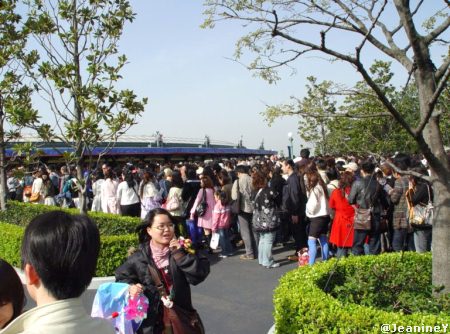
436,32
442,69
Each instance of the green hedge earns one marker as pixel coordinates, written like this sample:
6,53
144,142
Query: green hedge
21,214
10,242
113,249
302,306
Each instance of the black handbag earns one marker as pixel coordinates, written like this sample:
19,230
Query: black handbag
201,208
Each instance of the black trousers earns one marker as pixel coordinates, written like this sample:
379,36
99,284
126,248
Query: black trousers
299,233
132,210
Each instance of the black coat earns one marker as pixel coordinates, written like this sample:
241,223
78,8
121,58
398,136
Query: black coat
294,201
189,194
184,269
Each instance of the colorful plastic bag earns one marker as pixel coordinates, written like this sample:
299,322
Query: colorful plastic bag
112,302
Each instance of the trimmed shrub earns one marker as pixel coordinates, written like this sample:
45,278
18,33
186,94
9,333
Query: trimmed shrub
21,214
113,249
113,252
10,242
364,292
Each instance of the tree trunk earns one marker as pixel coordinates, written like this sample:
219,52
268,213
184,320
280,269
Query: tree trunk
81,188
3,188
441,236
440,169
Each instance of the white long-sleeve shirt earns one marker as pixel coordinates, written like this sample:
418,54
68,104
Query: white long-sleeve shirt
317,205
127,195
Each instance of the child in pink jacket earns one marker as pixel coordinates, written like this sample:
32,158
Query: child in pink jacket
221,223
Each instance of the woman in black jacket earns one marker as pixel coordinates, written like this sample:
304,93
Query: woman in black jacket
177,268
420,193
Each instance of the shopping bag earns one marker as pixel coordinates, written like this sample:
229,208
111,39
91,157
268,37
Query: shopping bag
214,241
195,232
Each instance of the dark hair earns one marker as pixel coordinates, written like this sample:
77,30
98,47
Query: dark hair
321,164
290,162
241,169
108,174
259,180
224,177
314,178
147,177
190,174
148,222
368,166
207,181
177,180
63,249
216,167
128,177
402,161
386,169
304,153
346,180
11,289
332,174
223,198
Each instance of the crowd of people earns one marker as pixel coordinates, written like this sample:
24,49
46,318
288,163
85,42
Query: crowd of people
332,205
318,202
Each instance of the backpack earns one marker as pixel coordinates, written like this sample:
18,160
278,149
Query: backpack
265,218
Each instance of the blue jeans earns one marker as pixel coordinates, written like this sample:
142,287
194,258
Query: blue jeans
374,238
224,242
312,248
422,240
265,248
402,240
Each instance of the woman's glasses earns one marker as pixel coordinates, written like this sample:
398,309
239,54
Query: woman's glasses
163,227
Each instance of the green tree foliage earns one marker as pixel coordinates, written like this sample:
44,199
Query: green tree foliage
369,127
314,112
16,111
76,70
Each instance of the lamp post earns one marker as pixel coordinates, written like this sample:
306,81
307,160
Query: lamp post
290,147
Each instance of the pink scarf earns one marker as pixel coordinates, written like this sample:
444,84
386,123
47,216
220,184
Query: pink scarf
160,255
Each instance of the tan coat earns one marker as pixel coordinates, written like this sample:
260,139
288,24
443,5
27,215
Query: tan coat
245,190
62,317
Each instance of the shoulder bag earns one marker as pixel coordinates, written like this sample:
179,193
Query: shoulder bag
235,204
421,215
201,208
363,217
177,320
35,197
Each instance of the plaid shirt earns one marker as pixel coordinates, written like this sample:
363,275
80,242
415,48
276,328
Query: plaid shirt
398,197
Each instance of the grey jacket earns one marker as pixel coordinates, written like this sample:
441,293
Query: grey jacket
366,192
245,192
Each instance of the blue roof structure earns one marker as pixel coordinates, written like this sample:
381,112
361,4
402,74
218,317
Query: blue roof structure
158,151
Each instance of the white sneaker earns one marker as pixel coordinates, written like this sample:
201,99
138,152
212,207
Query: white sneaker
273,265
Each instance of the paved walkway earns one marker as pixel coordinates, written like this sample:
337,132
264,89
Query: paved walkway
237,295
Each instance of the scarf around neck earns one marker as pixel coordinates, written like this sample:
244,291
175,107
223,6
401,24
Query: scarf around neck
160,255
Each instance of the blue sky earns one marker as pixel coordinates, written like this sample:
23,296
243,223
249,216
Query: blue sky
193,87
